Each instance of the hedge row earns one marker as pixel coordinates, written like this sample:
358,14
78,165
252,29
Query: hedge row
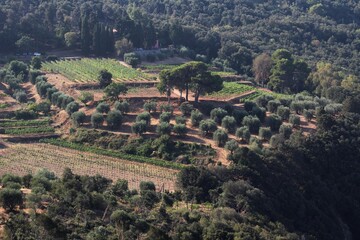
110,153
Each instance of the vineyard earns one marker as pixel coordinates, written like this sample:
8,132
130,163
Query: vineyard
29,158
23,127
23,123
86,70
232,89
29,130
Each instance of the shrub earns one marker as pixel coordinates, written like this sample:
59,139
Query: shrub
217,114
145,116
206,107
72,107
229,124
25,114
50,92
97,119
166,108
20,96
196,117
186,108
297,107
33,74
276,140
10,198
239,115
263,100
243,133
55,96
220,137
333,108
207,126
104,78
163,128
165,117
229,108
114,119
285,130
150,106
248,105
180,129
294,120
265,133
253,124
123,106
231,145
273,105
308,114
78,118
259,112
150,58
86,97
274,122
103,107
132,59
139,127
180,120
283,112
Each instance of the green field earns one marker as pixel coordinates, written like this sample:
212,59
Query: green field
87,70
232,89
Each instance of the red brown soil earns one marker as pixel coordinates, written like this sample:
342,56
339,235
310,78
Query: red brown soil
31,92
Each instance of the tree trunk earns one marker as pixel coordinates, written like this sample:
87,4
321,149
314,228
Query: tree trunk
187,93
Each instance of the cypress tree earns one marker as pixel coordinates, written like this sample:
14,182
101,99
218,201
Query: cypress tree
85,35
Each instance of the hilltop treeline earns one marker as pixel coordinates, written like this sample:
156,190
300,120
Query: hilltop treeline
232,33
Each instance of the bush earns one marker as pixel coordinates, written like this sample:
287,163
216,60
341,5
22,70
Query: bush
239,115
114,119
72,107
229,108
243,133
276,140
86,97
265,133
25,114
55,96
97,119
180,129
207,126
150,58
274,122
33,75
43,107
196,117
163,128
150,106
333,108
259,112
308,114
132,59
273,105
123,106
263,100
186,108
253,124
217,114
145,116
206,107
104,78
166,108
50,92
231,145
165,117
248,105
103,107
283,112
297,107
139,127
10,198
20,96
285,130
229,123
294,120
220,137
180,120
78,118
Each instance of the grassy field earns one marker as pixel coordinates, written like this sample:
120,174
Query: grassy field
232,89
87,70
29,158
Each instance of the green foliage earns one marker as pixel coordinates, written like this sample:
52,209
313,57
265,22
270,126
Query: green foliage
114,119
104,78
86,97
239,115
229,123
78,118
163,128
231,145
252,123
36,62
243,133
103,107
274,122
166,108
283,112
113,90
139,127
196,117
217,114
186,108
25,114
294,120
27,130
180,120
150,106
272,105
72,107
265,133
232,89
207,126
180,129
97,120
145,116
132,59
285,130
44,107
123,106
10,198
165,117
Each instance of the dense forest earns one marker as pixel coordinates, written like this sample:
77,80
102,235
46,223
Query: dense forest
230,33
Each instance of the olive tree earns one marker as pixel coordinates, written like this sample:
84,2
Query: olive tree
243,133
97,119
229,123
207,126
220,137
196,117
114,119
